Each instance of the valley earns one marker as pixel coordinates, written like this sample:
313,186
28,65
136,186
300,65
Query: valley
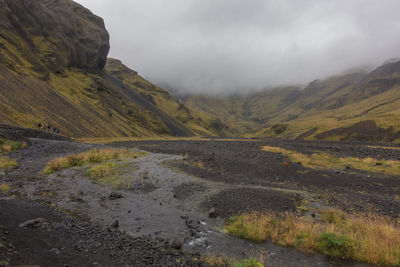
133,174
181,194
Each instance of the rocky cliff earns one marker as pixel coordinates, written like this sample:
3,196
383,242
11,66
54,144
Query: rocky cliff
51,35
52,59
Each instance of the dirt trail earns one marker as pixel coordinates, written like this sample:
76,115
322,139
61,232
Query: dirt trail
160,201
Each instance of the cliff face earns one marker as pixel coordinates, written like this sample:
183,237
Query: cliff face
50,35
52,55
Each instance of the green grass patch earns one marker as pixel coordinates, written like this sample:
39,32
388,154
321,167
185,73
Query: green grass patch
4,188
364,238
7,163
7,146
88,157
323,160
250,262
111,174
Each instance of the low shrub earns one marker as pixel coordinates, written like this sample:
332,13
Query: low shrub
336,246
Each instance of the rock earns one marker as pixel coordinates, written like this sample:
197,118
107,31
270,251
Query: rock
177,244
71,40
212,213
115,224
115,195
58,226
55,250
34,223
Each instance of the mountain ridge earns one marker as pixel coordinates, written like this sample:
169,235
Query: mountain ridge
332,105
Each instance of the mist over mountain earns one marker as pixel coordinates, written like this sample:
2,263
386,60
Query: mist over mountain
231,45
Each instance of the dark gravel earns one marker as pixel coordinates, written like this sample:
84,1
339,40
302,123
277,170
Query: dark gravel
186,190
234,202
243,162
63,241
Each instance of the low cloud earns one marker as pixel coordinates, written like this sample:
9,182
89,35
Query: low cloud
235,45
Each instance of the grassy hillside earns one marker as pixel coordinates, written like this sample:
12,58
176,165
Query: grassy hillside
359,106
199,122
352,106
244,113
52,59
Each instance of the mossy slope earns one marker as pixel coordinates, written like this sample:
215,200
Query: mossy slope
352,106
52,55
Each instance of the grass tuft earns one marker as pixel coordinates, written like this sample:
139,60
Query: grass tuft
225,261
362,238
4,188
112,174
7,163
7,146
88,157
323,160
250,262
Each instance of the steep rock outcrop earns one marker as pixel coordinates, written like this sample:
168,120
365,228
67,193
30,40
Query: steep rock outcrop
51,35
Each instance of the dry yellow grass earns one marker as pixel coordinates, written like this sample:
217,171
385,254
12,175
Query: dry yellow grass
323,160
217,260
6,162
225,261
199,164
362,238
91,156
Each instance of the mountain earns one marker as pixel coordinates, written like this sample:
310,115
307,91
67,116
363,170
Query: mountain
351,106
54,68
243,113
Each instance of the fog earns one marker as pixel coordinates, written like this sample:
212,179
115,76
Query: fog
224,46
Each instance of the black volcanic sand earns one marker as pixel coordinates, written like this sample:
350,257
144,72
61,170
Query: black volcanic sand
234,202
62,241
244,163
236,177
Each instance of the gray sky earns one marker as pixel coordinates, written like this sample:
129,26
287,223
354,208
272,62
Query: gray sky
229,45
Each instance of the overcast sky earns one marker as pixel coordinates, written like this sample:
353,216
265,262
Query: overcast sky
229,45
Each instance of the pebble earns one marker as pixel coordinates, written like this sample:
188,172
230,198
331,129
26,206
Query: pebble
212,213
115,195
